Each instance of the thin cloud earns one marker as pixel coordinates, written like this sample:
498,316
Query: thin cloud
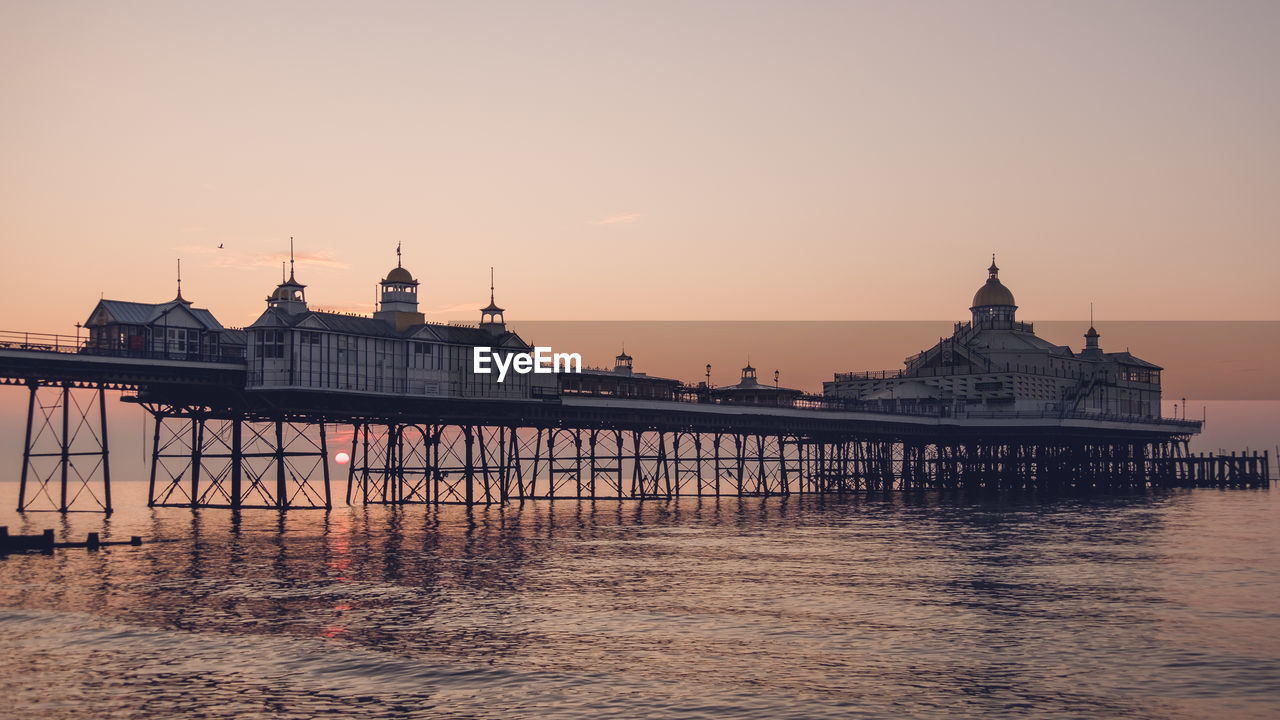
230,258
453,311
323,258
619,219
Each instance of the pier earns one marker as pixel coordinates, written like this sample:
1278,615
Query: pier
216,444
241,418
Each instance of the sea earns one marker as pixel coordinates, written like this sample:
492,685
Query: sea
920,605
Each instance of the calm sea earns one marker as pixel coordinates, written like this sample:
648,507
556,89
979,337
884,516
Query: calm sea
928,606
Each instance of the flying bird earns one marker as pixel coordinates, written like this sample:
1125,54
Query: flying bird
219,246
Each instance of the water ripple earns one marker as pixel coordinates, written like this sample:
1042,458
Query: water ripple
929,606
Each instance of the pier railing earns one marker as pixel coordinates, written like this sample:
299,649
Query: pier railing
992,369
72,345
43,342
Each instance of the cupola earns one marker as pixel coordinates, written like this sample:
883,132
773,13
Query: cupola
398,304
491,315
993,303
290,295
1091,347
622,363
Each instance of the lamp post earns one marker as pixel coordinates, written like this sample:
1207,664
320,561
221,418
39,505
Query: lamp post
775,379
77,335
708,376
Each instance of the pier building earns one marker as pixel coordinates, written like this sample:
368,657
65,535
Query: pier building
995,363
750,391
173,329
394,352
991,407
622,381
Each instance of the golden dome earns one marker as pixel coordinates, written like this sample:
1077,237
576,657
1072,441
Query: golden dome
993,292
399,275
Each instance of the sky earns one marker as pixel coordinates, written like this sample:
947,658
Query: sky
644,160
663,161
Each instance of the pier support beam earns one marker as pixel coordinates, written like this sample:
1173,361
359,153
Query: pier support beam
201,457
65,457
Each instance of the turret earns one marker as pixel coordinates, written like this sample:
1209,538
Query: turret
993,303
622,363
491,315
399,301
290,295
1091,347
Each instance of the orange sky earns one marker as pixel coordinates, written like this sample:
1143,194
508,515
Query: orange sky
644,160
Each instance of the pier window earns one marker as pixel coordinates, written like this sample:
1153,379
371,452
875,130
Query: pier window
1141,375
310,358
270,344
181,341
420,355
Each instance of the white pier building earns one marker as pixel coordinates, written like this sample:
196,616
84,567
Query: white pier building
395,352
996,364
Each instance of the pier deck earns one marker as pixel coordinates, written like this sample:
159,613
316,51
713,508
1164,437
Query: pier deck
217,444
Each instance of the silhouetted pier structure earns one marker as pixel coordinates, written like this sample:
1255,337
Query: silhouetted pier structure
217,444
46,542
1225,471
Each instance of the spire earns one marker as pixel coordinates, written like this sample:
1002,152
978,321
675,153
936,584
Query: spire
993,271
493,306
398,255
1091,347
491,317
179,298
289,295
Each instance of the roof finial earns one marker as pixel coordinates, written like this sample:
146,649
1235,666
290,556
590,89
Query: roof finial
398,255
179,279
290,257
1090,313
490,284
